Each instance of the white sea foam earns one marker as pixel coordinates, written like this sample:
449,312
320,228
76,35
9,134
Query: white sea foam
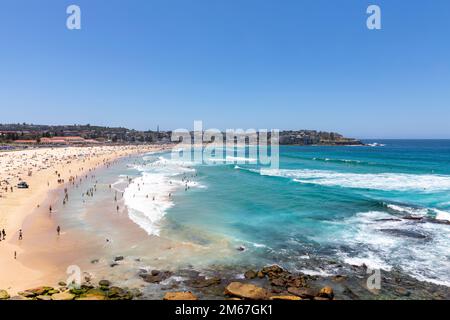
442,215
119,182
311,272
147,197
259,245
421,212
380,242
417,212
380,181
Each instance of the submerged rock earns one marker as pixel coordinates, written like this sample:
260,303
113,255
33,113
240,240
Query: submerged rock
104,283
402,292
187,295
250,274
405,233
156,276
339,278
417,218
246,291
202,282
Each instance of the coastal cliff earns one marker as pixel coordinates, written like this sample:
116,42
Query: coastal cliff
312,137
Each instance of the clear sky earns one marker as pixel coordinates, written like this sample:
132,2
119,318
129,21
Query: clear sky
285,64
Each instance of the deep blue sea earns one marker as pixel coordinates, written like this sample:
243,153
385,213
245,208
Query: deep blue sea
385,206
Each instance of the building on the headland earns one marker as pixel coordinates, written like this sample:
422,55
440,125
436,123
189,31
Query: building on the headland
70,139
67,140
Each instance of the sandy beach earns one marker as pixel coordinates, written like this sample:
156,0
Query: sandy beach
47,172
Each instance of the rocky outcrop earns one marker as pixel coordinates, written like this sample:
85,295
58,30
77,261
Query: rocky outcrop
155,276
64,296
4,295
246,291
104,283
85,292
40,290
186,295
326,292
281,278
312,137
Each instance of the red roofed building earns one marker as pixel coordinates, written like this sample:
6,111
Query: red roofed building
63,140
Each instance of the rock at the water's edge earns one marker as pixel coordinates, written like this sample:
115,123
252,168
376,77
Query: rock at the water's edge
186,295
4,295
246,291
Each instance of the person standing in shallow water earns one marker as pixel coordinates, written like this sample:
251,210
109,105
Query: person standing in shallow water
20,234
58,230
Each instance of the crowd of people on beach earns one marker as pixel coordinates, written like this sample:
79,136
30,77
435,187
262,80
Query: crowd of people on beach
20,164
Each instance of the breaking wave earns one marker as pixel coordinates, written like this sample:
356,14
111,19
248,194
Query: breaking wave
379,181
148,197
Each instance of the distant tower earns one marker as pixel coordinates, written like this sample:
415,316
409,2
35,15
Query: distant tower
157,128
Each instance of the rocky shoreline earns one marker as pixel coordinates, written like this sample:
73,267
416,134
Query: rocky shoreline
273,282
87,291
268,283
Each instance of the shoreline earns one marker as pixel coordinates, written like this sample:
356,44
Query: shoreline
19,206
45,259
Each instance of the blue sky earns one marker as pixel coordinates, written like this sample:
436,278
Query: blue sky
286,64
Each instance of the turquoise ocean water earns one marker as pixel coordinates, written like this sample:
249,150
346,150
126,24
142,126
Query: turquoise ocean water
385,206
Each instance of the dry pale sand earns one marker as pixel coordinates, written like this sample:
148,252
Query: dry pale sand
45,170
